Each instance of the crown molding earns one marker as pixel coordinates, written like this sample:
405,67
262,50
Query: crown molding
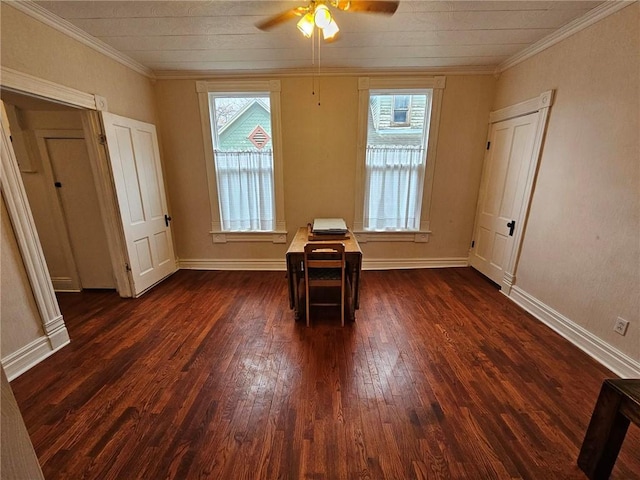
602,11
325,72
43,15
30,8
67,28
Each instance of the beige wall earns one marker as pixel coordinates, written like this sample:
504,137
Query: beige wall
19,317
32,47
581,253
319,148
18,458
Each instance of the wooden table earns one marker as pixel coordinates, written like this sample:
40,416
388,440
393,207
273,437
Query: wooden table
295,259
618,404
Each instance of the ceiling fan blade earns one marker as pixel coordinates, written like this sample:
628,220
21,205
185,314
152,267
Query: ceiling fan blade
276,20
369,6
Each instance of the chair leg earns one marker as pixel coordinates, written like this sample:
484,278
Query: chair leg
342,303
306,298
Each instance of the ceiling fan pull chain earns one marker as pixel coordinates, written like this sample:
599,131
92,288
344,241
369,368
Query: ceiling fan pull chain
313,48
319,48
313,62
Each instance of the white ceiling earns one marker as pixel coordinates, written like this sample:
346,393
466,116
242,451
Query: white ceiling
220,36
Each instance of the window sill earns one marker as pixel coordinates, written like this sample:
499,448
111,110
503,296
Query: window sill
420,236
228,237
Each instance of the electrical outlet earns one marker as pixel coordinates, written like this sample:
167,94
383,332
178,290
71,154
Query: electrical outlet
621,326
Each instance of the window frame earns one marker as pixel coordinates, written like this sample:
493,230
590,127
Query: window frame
365,86
243,87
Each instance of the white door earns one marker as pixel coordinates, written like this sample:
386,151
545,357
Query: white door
502,193
76,189
137,173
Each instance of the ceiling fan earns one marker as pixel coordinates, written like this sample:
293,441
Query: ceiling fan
318,14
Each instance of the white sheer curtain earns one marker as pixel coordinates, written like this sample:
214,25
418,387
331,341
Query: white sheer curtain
393,186
245,190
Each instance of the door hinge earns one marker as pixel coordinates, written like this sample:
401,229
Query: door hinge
127,267
473,243
488,145
102,139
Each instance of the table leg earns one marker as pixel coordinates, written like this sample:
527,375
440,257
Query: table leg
295,271
290,282
604,436
354,289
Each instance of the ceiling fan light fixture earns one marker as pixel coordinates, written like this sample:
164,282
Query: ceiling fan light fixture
322,16
306,25
330,30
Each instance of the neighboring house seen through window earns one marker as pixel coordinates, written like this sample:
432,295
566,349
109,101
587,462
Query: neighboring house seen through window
395,187
395,160
244,163
243,160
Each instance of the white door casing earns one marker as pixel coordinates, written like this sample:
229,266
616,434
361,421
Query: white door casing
35,264
137,174
516,134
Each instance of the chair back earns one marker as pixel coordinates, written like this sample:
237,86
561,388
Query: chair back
324,256
324,266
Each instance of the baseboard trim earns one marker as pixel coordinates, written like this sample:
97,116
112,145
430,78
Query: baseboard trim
57,332
64,284
18,362
413,263
280,264
233,264
612,358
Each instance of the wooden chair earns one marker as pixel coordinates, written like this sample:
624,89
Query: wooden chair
324,266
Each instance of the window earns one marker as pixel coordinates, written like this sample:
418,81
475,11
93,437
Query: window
400,113
241,127
397,137
395,160
243,159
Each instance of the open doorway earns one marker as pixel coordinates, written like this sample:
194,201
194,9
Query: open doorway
51,150
109,164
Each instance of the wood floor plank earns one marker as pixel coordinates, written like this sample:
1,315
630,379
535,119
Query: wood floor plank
208,376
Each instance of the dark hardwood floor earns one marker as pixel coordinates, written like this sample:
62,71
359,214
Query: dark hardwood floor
208,376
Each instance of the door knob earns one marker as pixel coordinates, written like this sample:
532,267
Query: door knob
512,226
167,219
